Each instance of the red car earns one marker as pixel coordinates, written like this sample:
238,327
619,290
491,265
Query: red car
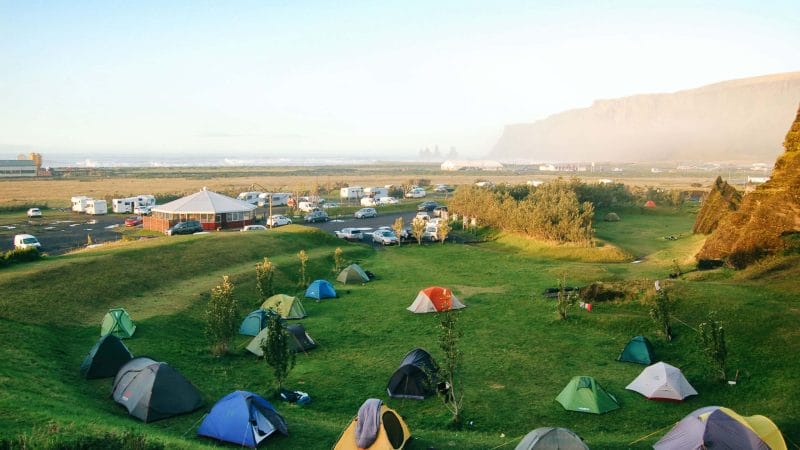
133,221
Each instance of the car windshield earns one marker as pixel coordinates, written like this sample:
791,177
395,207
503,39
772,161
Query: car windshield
29,240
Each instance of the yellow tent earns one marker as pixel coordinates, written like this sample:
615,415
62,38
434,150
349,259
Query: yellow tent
392,434
287,306
762,426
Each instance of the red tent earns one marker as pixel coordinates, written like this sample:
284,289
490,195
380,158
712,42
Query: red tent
435,299
650,204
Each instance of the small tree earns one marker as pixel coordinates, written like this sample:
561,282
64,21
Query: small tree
221,317
397,226
418,228
661,311
277,350
443,230
449,341
302,280
565,299
265,276
712,340
338,260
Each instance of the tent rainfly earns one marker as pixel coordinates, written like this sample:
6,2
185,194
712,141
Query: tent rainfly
547,438
352,274
584,394
662,381
105,358
153,390
638,350
415,378
376,427
288,307
435,299
118,322
718,427
242,418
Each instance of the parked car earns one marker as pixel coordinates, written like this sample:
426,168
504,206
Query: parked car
188,227
423,215
278,220
427,206
363,213
23,241
133,221
437,212
253,228
388,201
329,205
352,233
142,210
385,237
416,193
34,212
442,188
316,216
431,233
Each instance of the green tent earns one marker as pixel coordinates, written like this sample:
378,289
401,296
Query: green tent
353,274
583,394
639,350
287,306
118,322
299,340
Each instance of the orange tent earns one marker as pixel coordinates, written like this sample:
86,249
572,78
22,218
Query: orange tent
435,299
650,204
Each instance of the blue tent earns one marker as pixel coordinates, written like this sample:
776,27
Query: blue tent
255,322
320,289
242,418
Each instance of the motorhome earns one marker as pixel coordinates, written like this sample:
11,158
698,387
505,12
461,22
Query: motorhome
376,192
123,205
79,203
351,192
416,193
145,200
96,207
249,197
278,198
368,201
307,206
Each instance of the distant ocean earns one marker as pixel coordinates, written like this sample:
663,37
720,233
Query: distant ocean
99,160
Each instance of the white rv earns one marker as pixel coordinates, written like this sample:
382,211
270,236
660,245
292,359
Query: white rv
368,201
351,193
278,198
123,205
249,197
96,207
79,203
376,192
145,200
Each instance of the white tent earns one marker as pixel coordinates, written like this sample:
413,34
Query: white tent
435,299
662,381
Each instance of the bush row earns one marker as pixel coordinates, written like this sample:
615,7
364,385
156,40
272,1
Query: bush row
19,255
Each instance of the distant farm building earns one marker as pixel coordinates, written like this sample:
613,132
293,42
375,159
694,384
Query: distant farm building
11,168
212,210
454,165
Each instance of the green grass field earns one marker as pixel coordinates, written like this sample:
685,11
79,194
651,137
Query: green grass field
518,356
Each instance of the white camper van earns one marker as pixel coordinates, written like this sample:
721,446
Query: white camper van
376,192
278,198
249,197
79,203
351,193
368,201
123,205
23,241
145,200
96,207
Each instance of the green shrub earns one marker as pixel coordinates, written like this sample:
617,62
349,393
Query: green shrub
19,255
221,317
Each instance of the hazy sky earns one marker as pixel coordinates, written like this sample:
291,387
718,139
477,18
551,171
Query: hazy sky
380,78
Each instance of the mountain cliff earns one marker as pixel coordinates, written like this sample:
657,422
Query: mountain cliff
722,199
738,120
768,219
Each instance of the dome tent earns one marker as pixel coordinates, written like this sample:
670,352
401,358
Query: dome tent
435,299
153,390
320,289
547,438
662,381
352,274
718,427
298,338
415,378
118,322
242,418
286,306
254,322
611,217
638,350
105,358
390,431
584,394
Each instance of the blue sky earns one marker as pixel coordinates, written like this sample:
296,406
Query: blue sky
276,78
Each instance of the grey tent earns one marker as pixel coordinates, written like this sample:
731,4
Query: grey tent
611,217
719,427
416,376
547,438
153,390
352,274
105,358
299,339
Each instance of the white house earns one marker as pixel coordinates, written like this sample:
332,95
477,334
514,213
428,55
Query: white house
454,165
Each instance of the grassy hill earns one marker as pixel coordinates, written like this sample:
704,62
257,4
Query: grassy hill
518,356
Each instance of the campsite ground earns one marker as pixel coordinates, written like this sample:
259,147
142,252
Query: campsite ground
518,356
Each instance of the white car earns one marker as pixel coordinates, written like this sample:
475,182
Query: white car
388,201
329,205
363,213
23,241
142,210
385,237
254,228
423,215
278,221
416,193
34,212
352,233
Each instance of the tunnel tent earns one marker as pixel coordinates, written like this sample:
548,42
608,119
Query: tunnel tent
118,322
105,358
242,418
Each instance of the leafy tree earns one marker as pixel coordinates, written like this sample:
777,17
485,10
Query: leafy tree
265,277
443,230
302,280
221,317
338,260
661,311
450,371
397,226
277,349
712,340
417,229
